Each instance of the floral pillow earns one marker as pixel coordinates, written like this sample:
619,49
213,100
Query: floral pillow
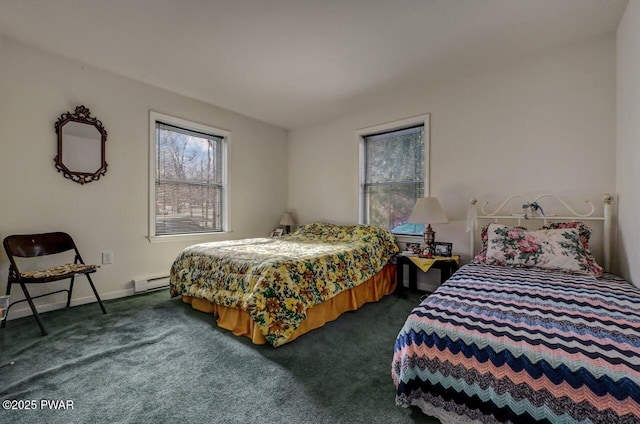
585,234
556,249
319,231
481,257
323,231
583,230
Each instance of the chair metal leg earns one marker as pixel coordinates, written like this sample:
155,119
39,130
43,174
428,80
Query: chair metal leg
95,292
33,309
29,299
70,291
7,293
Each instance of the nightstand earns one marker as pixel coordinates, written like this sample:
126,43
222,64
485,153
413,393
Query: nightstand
446,265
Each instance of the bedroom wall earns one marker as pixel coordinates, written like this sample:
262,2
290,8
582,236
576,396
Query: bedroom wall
112,214
628,141
546,124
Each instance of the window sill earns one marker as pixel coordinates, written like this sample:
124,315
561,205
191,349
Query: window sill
196,237
408,238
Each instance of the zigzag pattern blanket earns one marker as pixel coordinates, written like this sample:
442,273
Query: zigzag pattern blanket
498,344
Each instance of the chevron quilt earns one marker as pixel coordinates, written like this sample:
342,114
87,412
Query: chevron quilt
497,344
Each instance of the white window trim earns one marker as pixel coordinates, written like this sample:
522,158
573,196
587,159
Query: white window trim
183,123
423,120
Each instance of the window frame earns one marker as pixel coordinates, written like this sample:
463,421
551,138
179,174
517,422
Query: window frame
155,117
423,120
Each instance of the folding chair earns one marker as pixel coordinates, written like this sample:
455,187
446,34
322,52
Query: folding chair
34,245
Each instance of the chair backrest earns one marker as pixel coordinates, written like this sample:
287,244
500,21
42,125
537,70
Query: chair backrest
32,245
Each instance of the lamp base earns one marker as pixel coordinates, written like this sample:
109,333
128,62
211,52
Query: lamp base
429,240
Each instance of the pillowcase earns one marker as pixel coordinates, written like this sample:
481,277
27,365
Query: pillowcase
481,257
558,249
583,230
585,234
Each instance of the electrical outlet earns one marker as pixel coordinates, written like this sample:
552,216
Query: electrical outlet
107,258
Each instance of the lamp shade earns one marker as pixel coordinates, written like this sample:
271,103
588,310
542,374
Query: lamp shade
427,211
287,219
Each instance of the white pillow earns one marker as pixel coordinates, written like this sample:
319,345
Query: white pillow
555,249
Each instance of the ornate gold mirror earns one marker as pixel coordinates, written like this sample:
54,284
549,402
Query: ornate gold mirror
81,140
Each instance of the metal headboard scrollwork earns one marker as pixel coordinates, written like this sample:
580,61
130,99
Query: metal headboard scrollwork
532,210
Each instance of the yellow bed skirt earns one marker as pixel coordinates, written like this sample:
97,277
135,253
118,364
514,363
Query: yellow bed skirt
240,323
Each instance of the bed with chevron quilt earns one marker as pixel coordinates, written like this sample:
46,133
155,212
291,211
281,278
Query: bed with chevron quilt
520,345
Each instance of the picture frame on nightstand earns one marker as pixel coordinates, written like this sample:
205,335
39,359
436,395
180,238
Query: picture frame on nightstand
277,232
413,248
443,249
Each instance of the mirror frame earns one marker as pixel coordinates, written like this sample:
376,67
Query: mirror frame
81,115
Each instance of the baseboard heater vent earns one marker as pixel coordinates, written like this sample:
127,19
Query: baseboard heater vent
147,284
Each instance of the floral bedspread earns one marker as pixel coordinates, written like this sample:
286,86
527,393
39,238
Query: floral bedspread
275,280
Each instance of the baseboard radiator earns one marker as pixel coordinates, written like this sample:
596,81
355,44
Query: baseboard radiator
152,283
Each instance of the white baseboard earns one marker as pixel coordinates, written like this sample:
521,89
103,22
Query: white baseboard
25,311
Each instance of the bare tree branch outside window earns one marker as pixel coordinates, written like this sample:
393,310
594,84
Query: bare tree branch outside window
188,181
394,178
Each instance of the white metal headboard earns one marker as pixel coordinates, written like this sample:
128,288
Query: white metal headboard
532,210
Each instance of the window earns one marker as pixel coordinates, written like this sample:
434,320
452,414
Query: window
393,169
189,188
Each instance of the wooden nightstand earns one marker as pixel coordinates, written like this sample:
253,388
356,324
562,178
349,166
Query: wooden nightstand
447,267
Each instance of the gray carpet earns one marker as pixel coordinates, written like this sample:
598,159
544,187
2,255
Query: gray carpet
154,359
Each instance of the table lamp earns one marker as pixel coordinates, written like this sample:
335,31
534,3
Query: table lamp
428,211
287,221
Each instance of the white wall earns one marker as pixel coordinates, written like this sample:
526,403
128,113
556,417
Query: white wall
628,142
112,214
544,125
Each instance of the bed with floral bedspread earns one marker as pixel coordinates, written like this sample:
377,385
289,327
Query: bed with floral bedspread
519,345
276,280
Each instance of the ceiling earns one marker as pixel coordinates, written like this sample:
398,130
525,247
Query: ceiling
293,63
